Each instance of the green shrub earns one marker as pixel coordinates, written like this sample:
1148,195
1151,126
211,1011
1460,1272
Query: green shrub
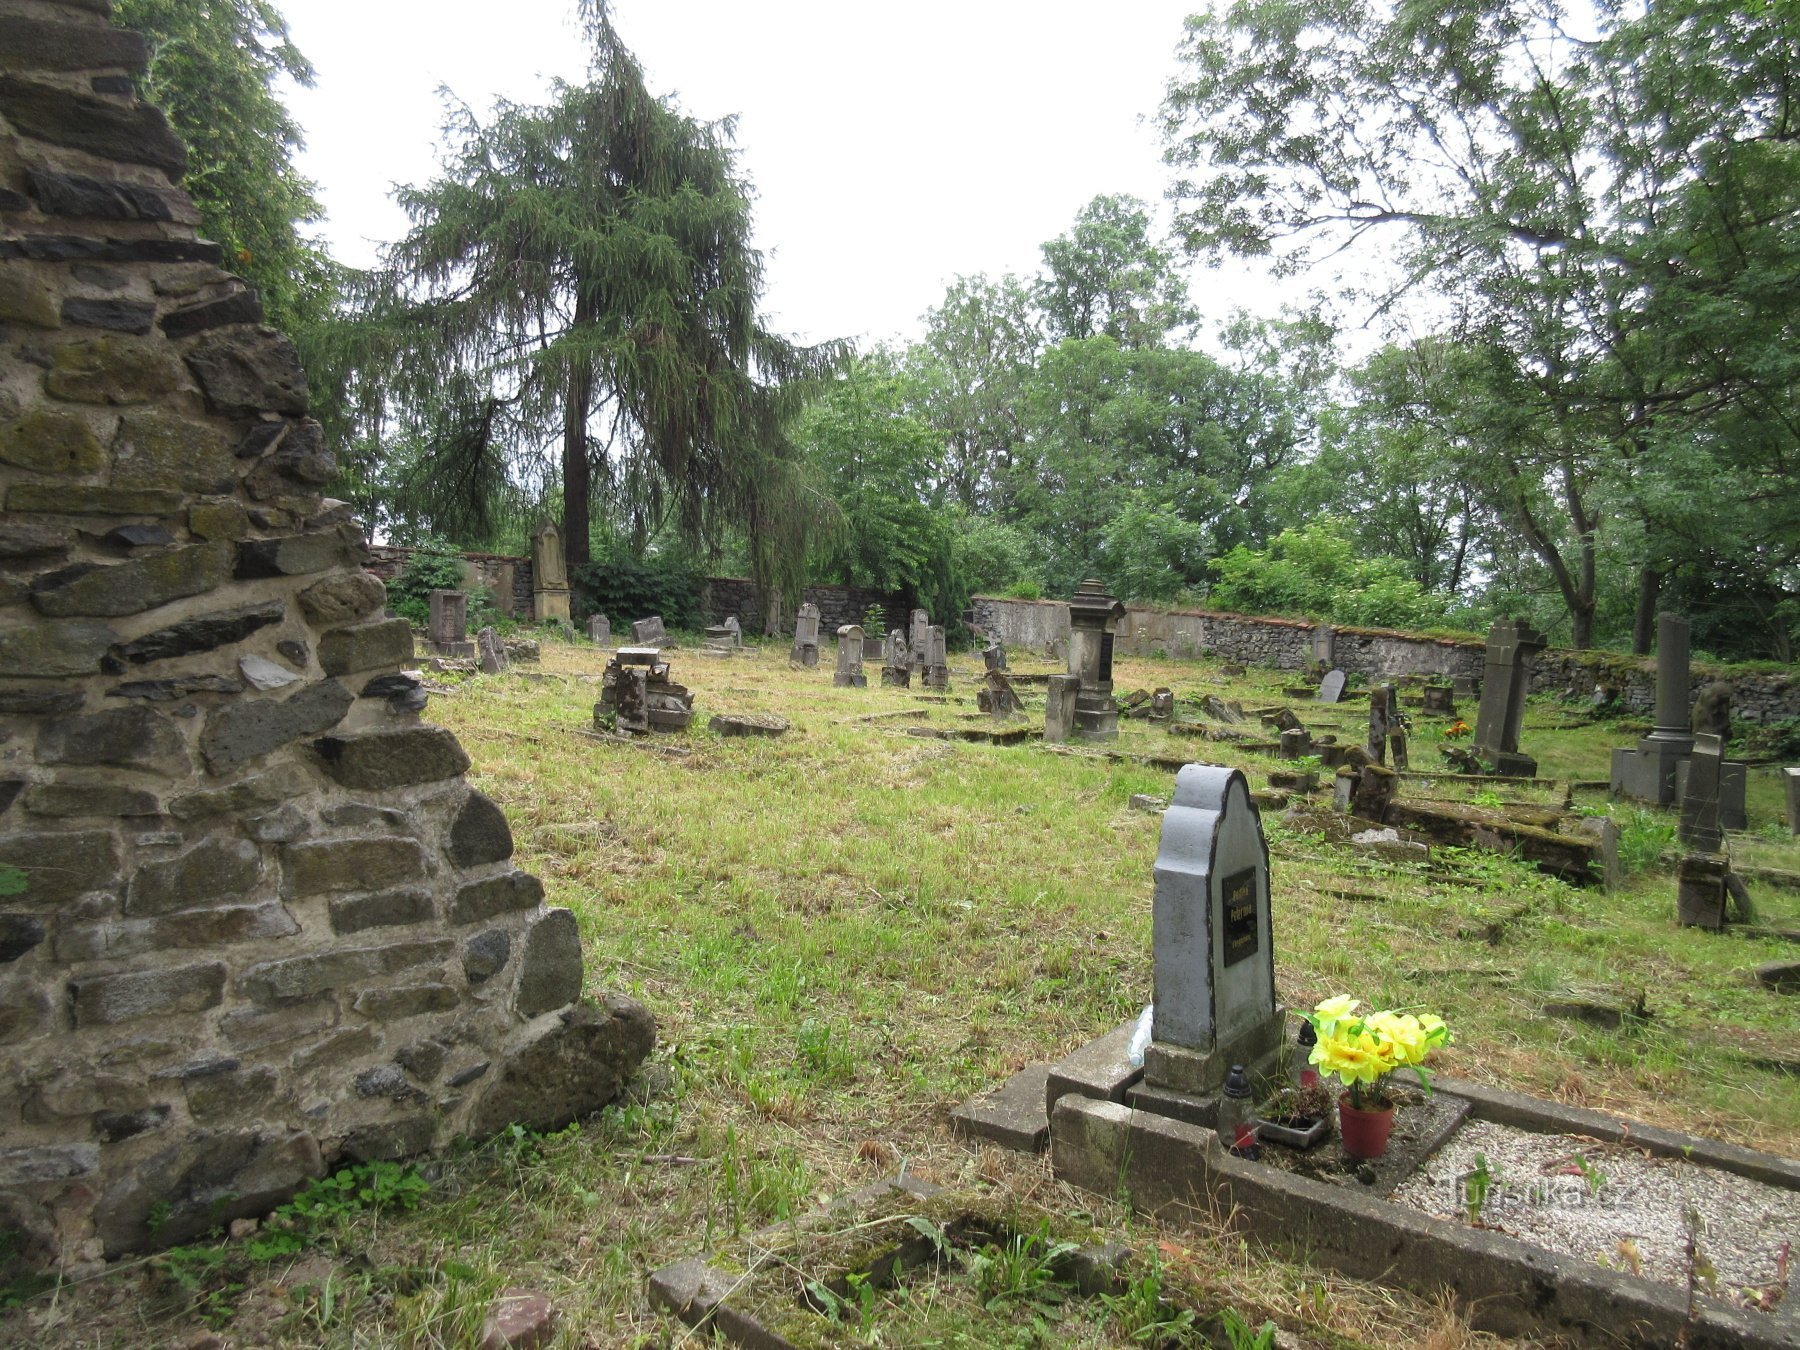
434,566
627,588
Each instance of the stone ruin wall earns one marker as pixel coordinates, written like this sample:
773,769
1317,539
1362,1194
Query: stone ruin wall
265,923
1286,644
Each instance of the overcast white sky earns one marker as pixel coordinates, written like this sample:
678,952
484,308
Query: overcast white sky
892,147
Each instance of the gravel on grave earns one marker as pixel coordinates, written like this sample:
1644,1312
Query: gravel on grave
1630,1205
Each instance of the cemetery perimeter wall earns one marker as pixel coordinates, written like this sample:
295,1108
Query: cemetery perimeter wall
1375,653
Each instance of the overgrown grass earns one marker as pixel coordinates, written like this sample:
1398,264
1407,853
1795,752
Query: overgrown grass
846,931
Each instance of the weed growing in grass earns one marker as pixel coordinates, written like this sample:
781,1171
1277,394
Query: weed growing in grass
1021,1270
1245,1337
1143,1316
1643,836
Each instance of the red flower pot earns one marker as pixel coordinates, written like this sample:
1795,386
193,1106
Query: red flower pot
1365,1129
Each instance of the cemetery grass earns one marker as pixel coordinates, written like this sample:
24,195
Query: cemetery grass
846,931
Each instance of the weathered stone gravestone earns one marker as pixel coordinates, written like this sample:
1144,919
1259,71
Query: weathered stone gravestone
549,575
1212,941
849,674
1440,700
448,628
735,629
1506,679
1699,828
1382,710
1331,688
874,648
1296,743
1162,705
649,632
639,694
1324,643
997,696
1712,710
993,656
1059,707
896,667
227,973
490,652
600,630
937,662
1397,748
918,638
1700,890
1790,778
806,636
1093,620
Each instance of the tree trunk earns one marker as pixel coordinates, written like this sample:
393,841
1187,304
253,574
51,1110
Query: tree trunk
1643,625
577,480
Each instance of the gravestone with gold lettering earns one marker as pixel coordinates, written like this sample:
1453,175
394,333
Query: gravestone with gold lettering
1211,941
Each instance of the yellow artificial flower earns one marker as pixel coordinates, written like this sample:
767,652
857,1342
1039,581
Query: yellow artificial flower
1333,1010
1352,1058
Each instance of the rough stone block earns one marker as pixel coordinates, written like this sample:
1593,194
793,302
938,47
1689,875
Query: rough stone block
219,1096
375,761
294,555
570,1069
135,133
43,44
73,194
302,977
481,900
253,1029
212,872
193,636
366,646
50,442
249,370
113,370
341,599
130,738
23,299
90,799
19,933
63,499
203,1181
90,591
408,1000
114,315
323,866
25,540
47,1163
49,650
485,955
479,834
59,867
102,1000
550,965
263,789
239,732
390,1140
200,928
380,909
241,306
157,449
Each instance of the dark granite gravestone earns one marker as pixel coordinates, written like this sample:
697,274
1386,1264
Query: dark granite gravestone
1648,772
1296,743
1331,688
1211,938
1506,679
849,673
993,656
806,636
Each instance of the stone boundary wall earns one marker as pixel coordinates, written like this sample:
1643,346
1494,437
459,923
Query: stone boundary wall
265,924
509,578
1286,644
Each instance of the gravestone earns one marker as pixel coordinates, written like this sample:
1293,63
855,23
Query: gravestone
1397,748
1648,773
1699,828
1093,620
649,632
549,575
874,649
849,673
1331,688
1214,957
1381,721
600,630
1506,679
490,652
896,668
1324,643
1440,700
1712,710
997,695
918,638
937,669
1162,705
993,656
639,693
629,698
1059,707
1700,890
1296,743
735,629
448,629
806,636
1465,686
1790,778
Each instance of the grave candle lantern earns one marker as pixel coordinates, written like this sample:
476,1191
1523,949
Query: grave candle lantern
1235,1122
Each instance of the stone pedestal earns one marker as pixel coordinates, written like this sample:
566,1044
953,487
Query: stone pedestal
549,576
1650,772
1093,620
1440,700
1212,941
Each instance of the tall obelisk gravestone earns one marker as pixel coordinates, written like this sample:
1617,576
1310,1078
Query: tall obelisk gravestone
1213,951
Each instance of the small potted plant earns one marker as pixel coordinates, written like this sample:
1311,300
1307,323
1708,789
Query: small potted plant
1297,1116
1360,1052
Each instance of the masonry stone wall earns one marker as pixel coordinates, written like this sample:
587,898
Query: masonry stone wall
264,922
838,605
1377,654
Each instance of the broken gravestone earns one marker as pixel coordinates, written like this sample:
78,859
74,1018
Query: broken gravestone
1506,679
849,673
649,632
639,695
896,667
997,696
490,651
805,650
1331,688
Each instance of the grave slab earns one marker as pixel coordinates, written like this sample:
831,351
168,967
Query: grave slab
1012,1115
1102,1068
